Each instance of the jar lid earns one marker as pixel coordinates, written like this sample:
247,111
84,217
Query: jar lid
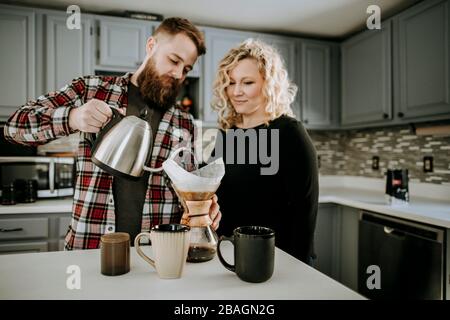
116,237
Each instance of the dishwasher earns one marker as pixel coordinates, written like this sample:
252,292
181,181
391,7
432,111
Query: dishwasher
408,256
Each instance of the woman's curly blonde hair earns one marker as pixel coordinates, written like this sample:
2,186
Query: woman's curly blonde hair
278,91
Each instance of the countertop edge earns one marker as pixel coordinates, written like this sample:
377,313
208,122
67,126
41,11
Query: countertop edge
391,211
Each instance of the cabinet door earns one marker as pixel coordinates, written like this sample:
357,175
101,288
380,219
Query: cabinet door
366,77
68,52
17,63
122,42
423,60
218,43
287,47
326,240
23,228
23,247
348,247
316,86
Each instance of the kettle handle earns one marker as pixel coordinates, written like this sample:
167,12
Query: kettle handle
116,117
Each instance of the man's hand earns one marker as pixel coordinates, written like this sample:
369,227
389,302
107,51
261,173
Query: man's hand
215,213
90,117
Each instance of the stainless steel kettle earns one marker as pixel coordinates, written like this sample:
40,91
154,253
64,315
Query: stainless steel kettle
123,147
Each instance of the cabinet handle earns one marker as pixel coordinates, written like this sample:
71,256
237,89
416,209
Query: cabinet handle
385,116
11,230
388,230
400,114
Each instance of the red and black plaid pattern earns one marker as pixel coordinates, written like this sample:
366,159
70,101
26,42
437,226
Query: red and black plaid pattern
93,214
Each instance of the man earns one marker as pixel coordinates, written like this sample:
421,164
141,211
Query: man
103,204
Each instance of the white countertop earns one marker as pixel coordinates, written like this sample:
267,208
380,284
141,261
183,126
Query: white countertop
429,203
419,209
43,276
40,206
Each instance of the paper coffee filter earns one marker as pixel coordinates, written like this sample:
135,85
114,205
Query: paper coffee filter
206,179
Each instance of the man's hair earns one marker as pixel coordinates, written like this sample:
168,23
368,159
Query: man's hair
174,26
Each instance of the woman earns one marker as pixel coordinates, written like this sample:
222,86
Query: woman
272,179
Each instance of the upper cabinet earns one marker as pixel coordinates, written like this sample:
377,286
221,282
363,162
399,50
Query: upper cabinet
17,63
319,79
218,43
422,61
286,47
68,51
413,50
121,42
366,77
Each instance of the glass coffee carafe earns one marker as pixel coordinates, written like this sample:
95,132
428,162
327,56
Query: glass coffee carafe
195,190
203,242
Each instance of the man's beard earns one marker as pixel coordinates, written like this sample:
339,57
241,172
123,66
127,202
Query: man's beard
161,91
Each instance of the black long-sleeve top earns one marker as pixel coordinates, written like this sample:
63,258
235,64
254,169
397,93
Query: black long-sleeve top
286,201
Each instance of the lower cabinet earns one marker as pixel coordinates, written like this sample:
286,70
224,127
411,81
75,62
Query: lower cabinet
23,247
326,240
336,243
348,247
24,233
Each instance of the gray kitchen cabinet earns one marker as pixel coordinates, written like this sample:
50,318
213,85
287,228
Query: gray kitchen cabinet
17,52
422,60
447,272
327,239
121,42
36,232
23,247
316,99
286,46
23,228
68,52
218,43
366,77
348,247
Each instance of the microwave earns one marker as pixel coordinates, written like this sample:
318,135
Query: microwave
55,176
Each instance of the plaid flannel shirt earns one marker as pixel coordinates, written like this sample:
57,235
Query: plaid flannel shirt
93,213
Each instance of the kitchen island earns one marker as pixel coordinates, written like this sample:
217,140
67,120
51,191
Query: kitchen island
45,276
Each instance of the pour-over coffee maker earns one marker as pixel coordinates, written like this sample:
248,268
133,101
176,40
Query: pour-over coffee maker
196,190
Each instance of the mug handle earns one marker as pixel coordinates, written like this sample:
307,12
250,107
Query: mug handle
139,250
219,254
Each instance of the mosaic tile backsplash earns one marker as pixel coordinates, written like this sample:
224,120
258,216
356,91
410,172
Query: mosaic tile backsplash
350,153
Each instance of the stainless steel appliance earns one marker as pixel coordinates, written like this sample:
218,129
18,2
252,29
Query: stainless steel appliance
54,175
410,257
122,148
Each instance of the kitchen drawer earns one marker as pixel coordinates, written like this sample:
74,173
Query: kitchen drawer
24,247
64,223
61,245
24,228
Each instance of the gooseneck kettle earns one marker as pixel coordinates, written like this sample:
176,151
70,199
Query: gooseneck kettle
123,146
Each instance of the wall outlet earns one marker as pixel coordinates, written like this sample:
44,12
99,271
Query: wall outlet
428,164
375,163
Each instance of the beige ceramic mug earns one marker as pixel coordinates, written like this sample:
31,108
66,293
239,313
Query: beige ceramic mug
170,244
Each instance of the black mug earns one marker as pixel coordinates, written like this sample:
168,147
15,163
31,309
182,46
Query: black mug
254,253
